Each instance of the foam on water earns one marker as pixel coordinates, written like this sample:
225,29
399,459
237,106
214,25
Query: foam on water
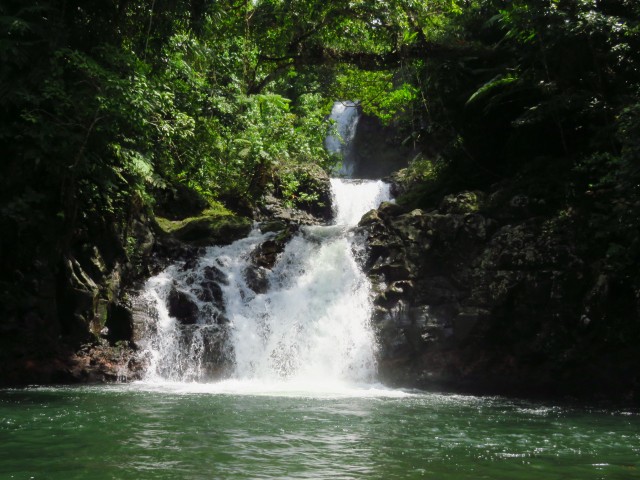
287,388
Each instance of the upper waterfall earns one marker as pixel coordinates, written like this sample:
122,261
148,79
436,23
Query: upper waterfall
345,115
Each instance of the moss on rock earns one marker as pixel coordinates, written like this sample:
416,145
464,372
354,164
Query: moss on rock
211,227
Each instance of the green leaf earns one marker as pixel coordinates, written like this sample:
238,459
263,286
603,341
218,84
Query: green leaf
496,83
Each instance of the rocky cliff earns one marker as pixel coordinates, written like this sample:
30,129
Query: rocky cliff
485,294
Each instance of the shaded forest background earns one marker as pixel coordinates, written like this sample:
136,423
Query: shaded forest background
110,107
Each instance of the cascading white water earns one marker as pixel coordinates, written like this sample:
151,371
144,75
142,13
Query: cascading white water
308,326
354,198
345,115
311,325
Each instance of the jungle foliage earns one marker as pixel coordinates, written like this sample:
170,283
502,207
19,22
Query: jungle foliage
105,103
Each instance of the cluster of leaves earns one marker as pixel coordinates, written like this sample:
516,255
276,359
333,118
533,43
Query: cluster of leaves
541,98
611,198
517,72
104,103
550,84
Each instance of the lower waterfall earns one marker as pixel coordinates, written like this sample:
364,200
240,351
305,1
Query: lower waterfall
309,325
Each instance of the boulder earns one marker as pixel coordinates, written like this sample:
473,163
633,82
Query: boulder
211,292
301,195
257,279
265,256
213,230
214,274
182,307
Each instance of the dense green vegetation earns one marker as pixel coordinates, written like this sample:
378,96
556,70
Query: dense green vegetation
105,105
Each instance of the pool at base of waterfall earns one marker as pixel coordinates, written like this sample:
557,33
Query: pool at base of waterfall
211,431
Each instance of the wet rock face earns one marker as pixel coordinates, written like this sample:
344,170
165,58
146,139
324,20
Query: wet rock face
93,363
378,150
214,230
264,257
466,299
211,291
182,307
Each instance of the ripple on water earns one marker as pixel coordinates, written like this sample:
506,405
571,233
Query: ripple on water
152,432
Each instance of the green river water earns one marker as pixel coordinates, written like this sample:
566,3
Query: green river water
158,432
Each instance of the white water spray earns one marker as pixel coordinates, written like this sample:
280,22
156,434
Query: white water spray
313,323
354,198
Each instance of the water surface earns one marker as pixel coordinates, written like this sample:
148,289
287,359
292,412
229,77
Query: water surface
192,431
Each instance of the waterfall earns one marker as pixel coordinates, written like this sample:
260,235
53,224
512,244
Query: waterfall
346,116
311,324
307,324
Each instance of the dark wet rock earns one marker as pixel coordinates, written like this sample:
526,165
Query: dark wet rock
144,237
273,207
168,249
266,254
81,302
98,363
182,307
210,292
208,287
471,298
301,195
273,226
264,257
257,279
119,324
92,363
377,149
214,274
142,309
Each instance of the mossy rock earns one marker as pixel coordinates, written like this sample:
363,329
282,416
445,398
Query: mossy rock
275,226
178,201
207,229
305,187
462,203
